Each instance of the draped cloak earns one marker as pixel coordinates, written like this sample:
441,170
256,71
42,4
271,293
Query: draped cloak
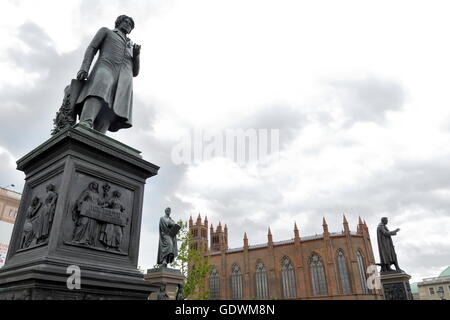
86,228
47,214
111,78
167,244
385,245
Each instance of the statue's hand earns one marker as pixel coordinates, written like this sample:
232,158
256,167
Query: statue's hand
398,229
136,50
82,75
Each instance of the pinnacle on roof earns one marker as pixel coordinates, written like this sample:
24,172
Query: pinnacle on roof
345,220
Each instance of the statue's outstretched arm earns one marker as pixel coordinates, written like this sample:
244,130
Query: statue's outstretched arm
386,232
92,49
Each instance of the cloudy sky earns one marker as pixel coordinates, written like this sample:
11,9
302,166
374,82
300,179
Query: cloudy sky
359,91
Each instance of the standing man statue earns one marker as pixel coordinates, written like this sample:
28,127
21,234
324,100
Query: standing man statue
167,249
386,247
106,98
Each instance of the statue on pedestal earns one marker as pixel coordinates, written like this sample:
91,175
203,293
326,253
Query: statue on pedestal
167,249
386,246
103,98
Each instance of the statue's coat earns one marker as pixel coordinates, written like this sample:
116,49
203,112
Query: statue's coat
167,244
111,78
385,245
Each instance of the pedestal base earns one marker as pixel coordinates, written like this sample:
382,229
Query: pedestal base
79,221
170,277
49,281
396,285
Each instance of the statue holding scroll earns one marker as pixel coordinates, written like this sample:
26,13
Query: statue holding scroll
167,249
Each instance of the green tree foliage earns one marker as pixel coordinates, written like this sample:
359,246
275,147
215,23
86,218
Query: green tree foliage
193,265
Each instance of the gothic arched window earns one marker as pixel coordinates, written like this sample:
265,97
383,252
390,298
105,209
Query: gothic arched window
343,273
288,278
319,284
236,282
261,282
214,285
362,271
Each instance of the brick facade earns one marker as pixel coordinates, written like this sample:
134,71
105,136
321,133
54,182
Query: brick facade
299,250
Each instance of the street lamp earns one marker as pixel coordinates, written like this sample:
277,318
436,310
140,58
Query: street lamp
440,293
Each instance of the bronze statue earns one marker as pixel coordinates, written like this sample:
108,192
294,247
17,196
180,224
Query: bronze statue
167,249
386,246
106,97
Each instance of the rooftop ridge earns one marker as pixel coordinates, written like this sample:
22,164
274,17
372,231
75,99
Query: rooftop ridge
282,242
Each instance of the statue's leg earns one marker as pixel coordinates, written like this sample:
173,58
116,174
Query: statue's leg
103,120
91,109
101,124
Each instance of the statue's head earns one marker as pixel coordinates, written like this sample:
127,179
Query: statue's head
124,23
117,194
106,187
50,187
167,211
384,220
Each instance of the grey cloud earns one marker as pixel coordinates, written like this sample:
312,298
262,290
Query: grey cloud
9,174
403,191
287,119
368,99
29,109
140,10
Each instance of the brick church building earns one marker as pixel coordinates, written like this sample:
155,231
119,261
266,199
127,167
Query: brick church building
331,265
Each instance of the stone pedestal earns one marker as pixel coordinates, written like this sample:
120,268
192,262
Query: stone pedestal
168,276
81,209
396,285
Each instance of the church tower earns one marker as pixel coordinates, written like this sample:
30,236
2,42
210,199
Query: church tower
199,232
219,238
